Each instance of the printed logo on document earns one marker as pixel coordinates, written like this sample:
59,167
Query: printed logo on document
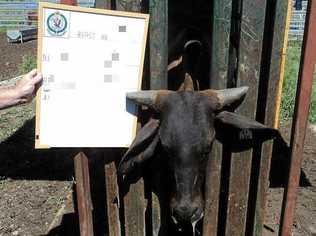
57,24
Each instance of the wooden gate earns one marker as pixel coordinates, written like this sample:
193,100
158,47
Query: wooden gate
248,48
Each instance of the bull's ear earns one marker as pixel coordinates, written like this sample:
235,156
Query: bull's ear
240,133
142,148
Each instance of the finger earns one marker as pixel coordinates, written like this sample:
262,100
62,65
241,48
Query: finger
28,97
32,73
38,78
36,87
23,100
34,93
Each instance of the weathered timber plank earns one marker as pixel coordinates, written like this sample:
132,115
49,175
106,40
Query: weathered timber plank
249,61
128,5
238,193
111,184
112,190
134,205
83,194
158,51
218,80
112,200
134,201
134,208
282,65
156,216
158,44
212,190
160,204
103,4
279,42
83,190
307,74
222,11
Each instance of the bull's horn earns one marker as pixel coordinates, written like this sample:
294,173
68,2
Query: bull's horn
227,97
149,98
188,83
190,42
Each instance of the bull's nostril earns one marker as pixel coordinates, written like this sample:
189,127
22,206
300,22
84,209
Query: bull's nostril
183,209
186,214
195,214
198,215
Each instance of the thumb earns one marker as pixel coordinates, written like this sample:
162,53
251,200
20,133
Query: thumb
32,73
38,78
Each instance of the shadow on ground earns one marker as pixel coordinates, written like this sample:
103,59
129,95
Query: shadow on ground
19,160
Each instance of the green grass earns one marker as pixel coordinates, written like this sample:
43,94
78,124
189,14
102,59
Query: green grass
28,63
3,29
290,82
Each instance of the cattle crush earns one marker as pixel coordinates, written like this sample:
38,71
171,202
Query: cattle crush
247,46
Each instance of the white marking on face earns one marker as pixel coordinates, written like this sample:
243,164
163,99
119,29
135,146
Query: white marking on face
195,222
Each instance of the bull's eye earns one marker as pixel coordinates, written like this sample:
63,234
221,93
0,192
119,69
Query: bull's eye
206,153
168,151
168,155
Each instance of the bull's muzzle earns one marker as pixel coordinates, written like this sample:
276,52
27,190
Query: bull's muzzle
187,213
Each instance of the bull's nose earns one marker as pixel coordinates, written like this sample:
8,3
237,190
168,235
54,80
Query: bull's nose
187,214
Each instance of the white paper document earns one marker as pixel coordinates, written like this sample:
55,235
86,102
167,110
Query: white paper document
89,62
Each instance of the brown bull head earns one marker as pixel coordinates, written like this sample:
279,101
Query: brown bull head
188,123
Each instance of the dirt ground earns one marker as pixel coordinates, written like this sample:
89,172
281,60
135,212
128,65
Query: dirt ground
305,218
11,56
36,187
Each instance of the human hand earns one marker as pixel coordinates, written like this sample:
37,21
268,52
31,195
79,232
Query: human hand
27,86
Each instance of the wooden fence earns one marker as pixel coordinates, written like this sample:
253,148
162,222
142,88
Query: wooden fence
237,204
248,48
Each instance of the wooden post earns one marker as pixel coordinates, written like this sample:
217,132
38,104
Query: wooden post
275,40
303,97
249,64
83,194
282,65
158,51
134,201
128,5
158,25
111,184
81,164
103,4
112,200
218,79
